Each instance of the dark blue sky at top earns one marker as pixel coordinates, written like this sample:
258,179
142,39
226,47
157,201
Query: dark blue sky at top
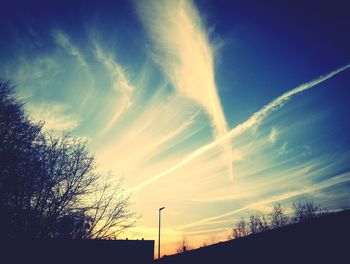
270,46
110,18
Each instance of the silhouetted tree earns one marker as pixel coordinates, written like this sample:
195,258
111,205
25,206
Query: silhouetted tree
183,246
19,161
109,210
240,230
277,217
304,210
257,223
49,186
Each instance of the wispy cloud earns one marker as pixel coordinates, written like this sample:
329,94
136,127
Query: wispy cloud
325,184
120,83
184,52
254,120
144,139
273,135
64,41
54,115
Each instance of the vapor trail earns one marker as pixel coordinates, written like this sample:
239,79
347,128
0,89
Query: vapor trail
187,57
256,118
345,177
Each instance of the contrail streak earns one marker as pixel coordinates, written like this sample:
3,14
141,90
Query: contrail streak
327,183
256,118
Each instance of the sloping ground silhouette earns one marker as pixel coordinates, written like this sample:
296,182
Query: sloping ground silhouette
322,240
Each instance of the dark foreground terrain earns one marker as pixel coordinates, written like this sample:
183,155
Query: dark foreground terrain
58,251
321,240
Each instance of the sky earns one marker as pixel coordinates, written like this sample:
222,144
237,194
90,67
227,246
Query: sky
213,109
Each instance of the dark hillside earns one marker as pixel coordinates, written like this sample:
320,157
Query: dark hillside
322,240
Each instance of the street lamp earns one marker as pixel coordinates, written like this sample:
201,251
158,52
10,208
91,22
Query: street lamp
160,209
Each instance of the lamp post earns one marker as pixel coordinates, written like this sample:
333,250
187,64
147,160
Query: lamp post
160,209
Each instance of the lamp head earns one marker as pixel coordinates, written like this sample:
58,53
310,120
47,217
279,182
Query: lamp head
161,208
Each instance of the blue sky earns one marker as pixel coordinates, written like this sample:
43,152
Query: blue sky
213,109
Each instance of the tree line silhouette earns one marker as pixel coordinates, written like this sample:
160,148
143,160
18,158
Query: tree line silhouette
49,184
303,210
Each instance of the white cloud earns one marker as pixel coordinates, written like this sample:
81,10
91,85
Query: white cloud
273,135
254,120
120,83
54,115
64,41
184,52
162,124
345,177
